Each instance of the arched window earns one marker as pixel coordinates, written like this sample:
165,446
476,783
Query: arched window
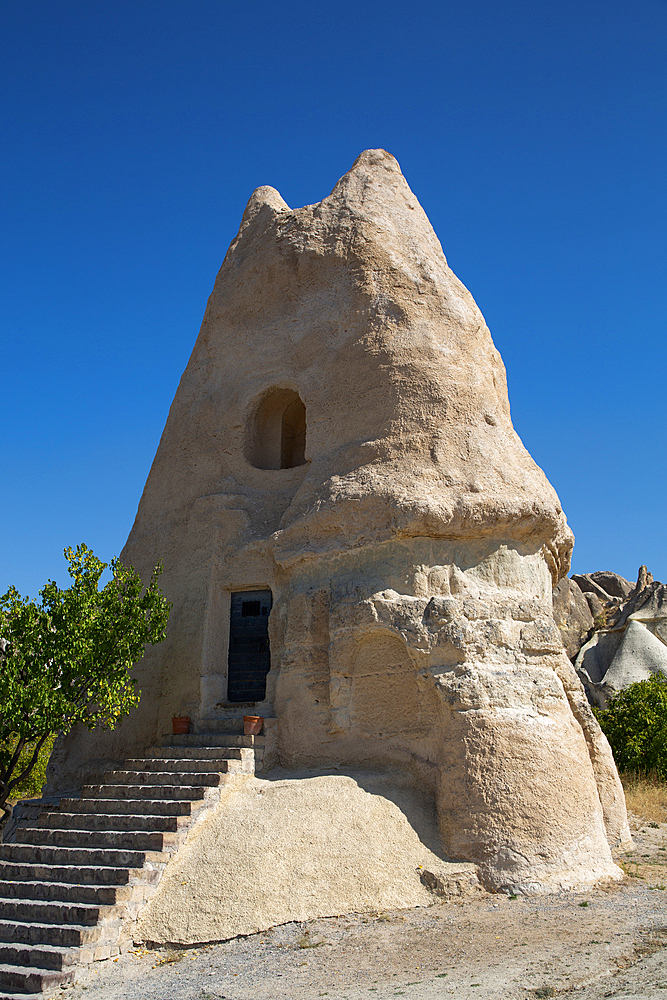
277,438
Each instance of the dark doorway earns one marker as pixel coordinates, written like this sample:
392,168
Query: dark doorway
293,436
277,434
249,654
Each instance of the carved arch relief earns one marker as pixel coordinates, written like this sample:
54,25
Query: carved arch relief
385,694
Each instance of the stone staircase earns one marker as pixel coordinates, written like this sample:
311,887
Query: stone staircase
73,880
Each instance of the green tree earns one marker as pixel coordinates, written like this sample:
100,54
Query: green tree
635,723
67,659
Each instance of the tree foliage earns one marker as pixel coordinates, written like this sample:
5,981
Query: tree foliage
67,659
635,723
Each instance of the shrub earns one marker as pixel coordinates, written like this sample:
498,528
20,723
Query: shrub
635,723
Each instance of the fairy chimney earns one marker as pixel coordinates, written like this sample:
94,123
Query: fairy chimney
359,548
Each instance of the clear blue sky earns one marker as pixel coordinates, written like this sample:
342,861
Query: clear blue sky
134,132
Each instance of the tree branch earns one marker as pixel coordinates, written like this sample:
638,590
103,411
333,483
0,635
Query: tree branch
38,746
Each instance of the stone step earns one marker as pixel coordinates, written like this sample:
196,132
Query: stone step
31,911
233,726
134,778
134,807
65,892
126,791
20,996
32,980
213,740
196,753
183,765
75,861
41,956
110,821
56,935
107,839
71,856
74,874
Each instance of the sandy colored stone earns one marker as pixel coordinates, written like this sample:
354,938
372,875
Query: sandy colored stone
409,540
293,848
572,615
604,584
610,790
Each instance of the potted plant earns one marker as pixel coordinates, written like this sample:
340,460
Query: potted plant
252,725
180,724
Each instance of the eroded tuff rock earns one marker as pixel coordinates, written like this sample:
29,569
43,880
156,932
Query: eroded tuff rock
341,438
629,642
572,614
337,843
608,586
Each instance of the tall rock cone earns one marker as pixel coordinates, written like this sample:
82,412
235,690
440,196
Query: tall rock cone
340,452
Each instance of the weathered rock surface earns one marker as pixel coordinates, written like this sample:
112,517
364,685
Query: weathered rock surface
342,437
605,584
640,654
572,615
596,604
298,847
630,643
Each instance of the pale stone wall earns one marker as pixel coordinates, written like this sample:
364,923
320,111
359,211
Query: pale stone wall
299,847
410,557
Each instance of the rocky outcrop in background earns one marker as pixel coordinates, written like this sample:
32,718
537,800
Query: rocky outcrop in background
614,632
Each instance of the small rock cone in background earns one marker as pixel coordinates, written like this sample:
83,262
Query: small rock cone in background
618,636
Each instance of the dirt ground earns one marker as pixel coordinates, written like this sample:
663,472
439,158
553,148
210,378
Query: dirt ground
607,942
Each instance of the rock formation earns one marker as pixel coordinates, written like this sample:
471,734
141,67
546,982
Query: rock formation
629,642
340,446
337,844
572,614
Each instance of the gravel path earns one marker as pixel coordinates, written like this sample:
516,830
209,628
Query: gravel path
606,942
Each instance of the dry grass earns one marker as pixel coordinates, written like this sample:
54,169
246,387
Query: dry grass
646,797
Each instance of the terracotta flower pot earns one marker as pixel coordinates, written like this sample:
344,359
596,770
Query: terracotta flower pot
252,725
180,724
